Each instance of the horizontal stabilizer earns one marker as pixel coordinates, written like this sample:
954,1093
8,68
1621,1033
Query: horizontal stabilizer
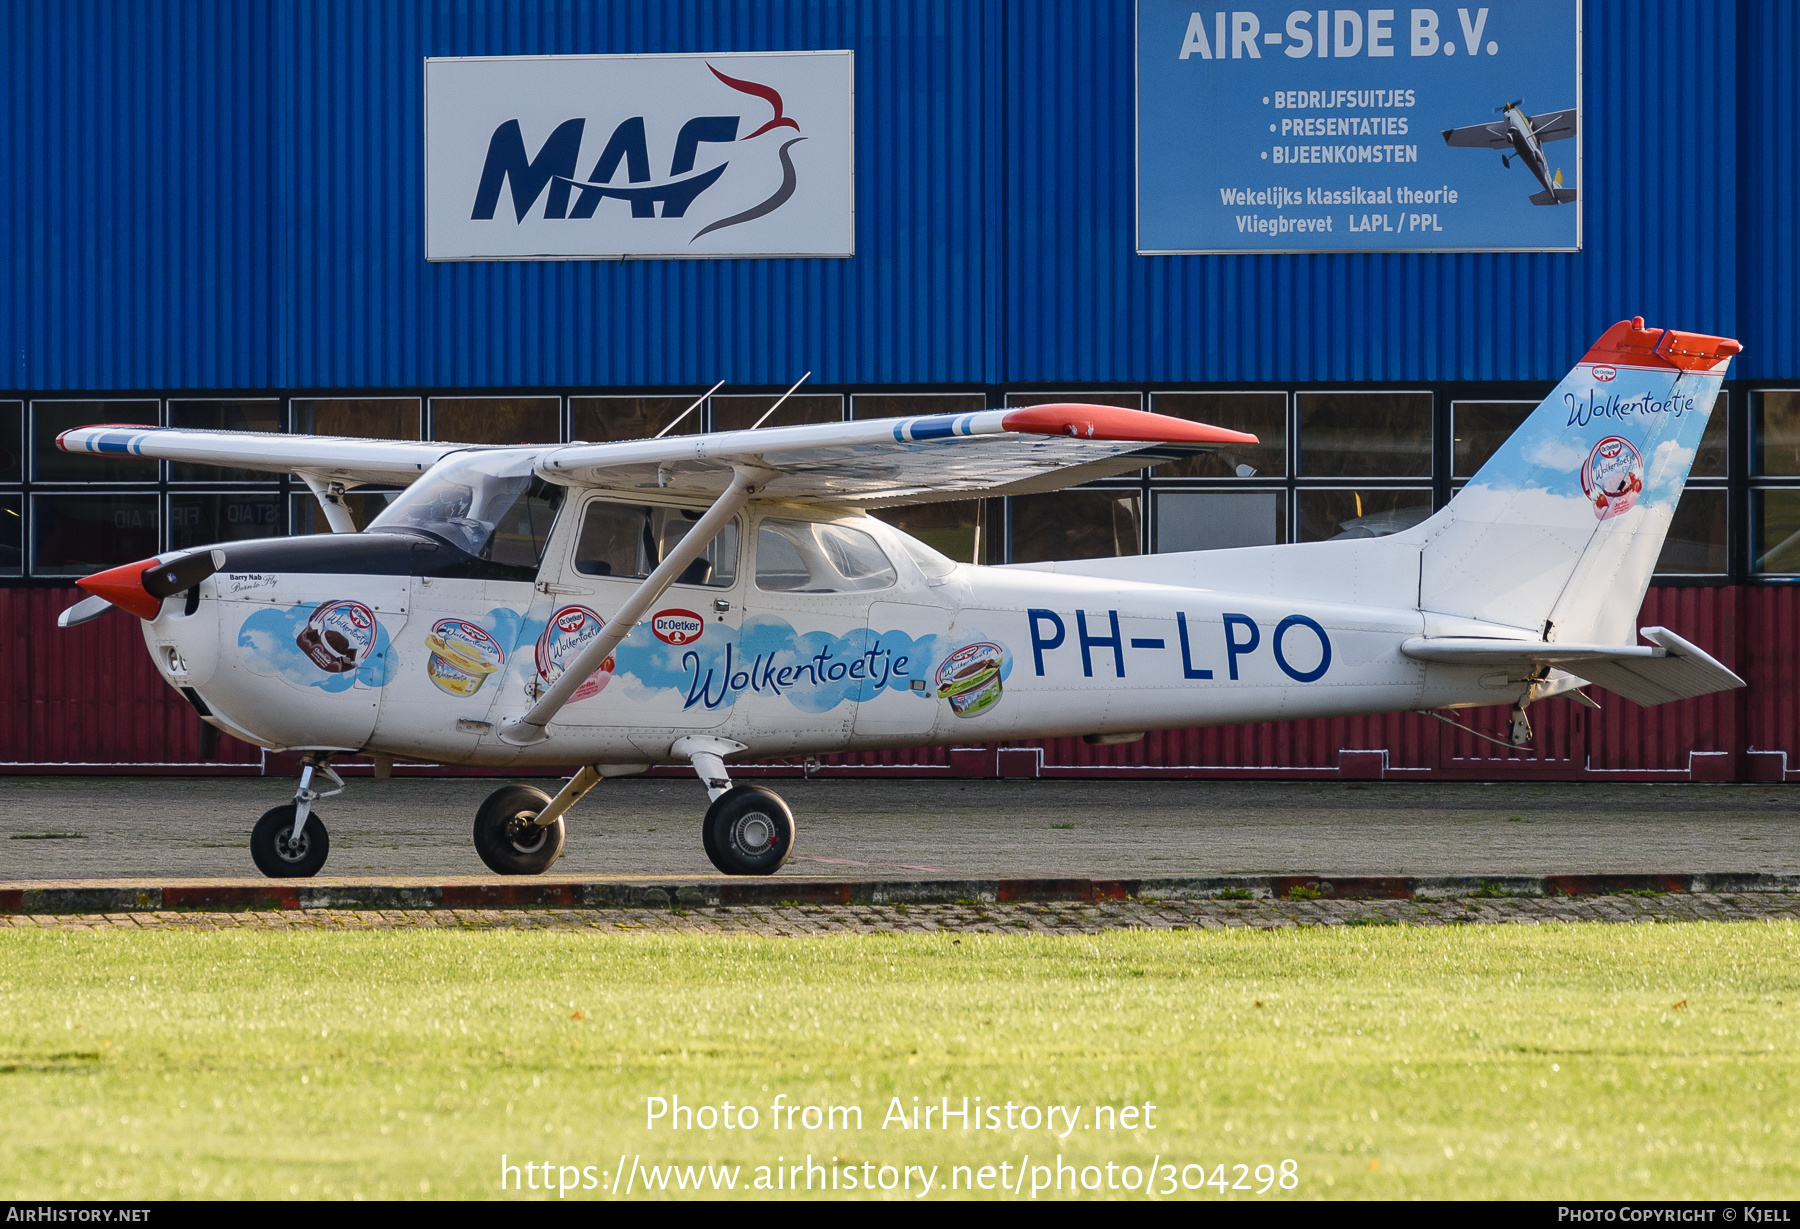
1558,196
1669,668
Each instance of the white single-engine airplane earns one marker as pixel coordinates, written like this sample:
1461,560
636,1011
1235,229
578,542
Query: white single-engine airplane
1524,135
707,597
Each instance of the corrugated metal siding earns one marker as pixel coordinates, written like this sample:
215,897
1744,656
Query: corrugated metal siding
1659,232
89,695
1769,45
219,194
209,194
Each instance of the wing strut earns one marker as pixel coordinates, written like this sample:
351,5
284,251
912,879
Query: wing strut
746,481
331,499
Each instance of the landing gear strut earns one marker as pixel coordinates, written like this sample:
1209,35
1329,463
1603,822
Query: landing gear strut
748,829
290,842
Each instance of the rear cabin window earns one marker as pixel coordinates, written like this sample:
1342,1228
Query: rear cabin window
630,540
807,557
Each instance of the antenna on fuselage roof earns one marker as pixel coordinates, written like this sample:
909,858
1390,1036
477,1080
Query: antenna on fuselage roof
697,403
789,393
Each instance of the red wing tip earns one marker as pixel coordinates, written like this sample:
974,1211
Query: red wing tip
124,587
1634,344
1109,422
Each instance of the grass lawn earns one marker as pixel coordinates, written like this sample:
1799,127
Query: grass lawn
1517,1061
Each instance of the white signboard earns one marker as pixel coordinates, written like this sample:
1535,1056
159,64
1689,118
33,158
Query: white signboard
591,157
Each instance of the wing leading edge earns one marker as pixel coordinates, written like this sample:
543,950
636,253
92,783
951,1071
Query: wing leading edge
324,457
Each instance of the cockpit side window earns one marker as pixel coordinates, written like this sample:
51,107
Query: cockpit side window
808,557
629,540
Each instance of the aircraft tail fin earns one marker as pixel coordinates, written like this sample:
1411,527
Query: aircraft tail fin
1560,531
1554,196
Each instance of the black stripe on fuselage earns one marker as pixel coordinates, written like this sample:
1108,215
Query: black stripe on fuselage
367,554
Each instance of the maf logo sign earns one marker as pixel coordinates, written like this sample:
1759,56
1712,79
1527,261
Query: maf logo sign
564,157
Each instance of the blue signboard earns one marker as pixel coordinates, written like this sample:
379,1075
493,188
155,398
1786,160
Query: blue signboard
1447,129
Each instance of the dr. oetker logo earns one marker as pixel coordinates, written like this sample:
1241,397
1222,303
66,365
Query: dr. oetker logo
677,626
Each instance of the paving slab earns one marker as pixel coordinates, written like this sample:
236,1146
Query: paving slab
93,828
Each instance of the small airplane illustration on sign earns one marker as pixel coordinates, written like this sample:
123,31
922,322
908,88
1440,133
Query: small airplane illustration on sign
1523,136
728,596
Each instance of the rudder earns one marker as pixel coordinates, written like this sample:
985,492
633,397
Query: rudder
1560,531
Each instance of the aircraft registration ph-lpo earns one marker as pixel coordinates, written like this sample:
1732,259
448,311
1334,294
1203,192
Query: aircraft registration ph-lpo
703,598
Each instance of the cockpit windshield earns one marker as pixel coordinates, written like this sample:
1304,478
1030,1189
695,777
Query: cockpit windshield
489,503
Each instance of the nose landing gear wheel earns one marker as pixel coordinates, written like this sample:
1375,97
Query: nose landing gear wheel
279,857
506,838
748,831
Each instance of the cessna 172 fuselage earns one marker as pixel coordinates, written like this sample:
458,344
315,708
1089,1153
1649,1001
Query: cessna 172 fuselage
728,596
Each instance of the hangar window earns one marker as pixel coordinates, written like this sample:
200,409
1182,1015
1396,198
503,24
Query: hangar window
196,518
74,535
808,557
966,530
1479,428
909,405
375,418
221,415
1263,415
1365,435
1329,515
1775,531
1079,524
1775,419
629,540
1219,520
12,535
598,420
741,413
12,441
50,419
306,516
497,420
1698,538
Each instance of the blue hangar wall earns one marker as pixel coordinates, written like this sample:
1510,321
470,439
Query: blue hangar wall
228,194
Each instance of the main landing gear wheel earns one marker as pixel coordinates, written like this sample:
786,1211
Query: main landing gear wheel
280,857
748,831
506,838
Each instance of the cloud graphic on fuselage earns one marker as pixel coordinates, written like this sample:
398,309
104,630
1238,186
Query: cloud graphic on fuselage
272,635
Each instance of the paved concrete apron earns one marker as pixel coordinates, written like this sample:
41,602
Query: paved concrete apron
119,827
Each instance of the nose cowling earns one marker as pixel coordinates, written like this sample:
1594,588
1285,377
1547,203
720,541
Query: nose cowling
141,587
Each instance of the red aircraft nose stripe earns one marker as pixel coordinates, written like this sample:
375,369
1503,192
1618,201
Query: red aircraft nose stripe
1106,422
124,588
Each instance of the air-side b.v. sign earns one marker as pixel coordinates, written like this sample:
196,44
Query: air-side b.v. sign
577,157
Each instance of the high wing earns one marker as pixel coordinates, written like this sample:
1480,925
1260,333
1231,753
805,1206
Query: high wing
1481,136
1669,668
873,463
325,458
1553,125
890,461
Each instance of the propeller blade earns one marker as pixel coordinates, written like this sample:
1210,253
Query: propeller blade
85,611
171,578
141,587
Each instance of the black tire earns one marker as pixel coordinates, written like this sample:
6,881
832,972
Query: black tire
506,839
276,857
748,831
